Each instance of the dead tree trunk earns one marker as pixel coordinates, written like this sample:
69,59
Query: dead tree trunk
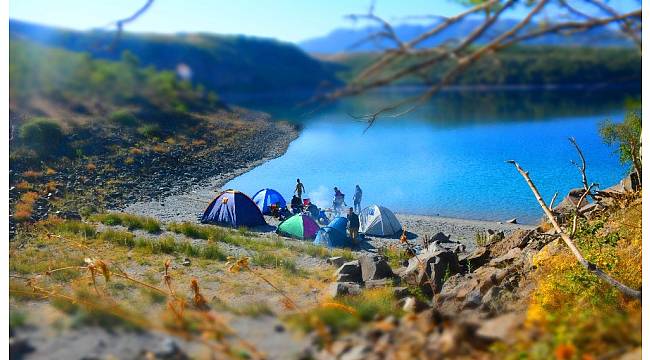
627,291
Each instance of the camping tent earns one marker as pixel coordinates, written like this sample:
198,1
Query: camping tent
267,197
378,220
299,226
233,208
334,235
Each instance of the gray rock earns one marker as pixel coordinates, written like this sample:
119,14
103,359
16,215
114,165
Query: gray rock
344,288
374,268
371,284
336,261
349,272
500,328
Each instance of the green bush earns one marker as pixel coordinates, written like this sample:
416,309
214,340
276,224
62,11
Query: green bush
150,130
44,136
123,118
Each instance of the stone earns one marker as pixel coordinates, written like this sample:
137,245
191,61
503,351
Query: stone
371,284
508,258
374,268
344,288
428,269
358,352
337,261
478,258
186,262
500,328
440,237
512,221
349,272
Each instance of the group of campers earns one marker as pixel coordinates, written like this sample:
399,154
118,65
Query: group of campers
299,205
338,226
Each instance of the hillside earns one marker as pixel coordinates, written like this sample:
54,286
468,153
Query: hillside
349,40
218,62
94,134
522,66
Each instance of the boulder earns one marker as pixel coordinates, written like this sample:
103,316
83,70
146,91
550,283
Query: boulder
349,272
440,237
500,328
508,258
374,268
512,221
371,284
428,270
478,258
344,288
337,261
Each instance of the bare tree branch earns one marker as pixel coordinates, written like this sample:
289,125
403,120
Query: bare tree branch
387,69
120,23
591,267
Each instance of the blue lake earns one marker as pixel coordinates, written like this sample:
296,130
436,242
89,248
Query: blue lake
446,158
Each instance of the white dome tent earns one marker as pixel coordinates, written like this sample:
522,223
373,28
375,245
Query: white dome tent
379,221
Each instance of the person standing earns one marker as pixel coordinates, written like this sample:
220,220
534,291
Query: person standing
353,225
357,199
300,188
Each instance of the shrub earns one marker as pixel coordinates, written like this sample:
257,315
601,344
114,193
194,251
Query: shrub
75,227
123,118
119,237
150,130
349,312
44,136
131,221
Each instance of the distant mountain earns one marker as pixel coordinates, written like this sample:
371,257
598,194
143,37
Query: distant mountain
223,63
349,40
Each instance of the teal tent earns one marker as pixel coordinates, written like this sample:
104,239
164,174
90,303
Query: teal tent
299,226
334,235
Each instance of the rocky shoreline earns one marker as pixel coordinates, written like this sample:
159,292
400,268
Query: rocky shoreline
110,181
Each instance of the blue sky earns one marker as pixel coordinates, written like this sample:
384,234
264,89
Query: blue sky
288,20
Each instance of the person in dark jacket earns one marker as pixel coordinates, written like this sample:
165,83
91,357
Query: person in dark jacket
353,225
296,204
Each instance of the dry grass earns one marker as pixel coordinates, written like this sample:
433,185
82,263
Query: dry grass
89,275
130,221
25,205
23,185
32,174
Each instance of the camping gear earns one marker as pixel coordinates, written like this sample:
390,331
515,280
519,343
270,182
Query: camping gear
233,208
267,197
306,202
299,226
379,221
334,235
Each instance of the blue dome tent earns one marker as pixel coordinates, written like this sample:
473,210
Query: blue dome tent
267,197
334,235
233,208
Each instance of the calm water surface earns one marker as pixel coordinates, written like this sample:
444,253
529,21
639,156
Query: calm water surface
448,157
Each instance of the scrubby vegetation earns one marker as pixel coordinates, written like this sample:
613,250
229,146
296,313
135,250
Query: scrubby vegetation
79,81
527,65
348,313
571,310
130,221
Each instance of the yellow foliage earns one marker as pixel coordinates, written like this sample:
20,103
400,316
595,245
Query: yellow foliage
575,314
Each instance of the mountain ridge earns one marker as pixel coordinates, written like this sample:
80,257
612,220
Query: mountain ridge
348,39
